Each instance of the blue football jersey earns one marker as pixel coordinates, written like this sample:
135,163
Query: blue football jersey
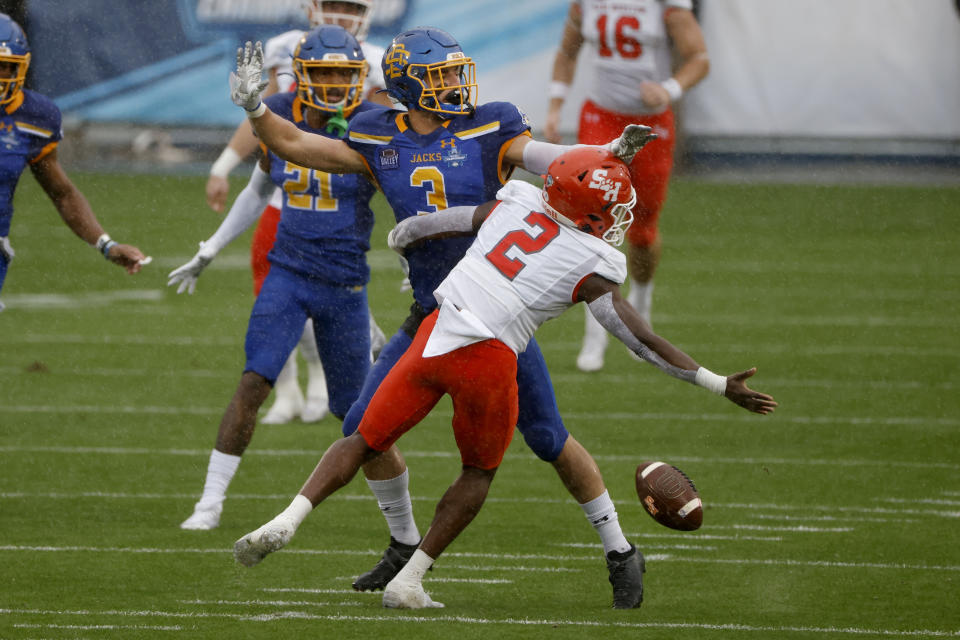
459,164
29,129
326,220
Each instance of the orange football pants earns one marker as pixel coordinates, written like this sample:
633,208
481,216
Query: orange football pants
481,379
650,169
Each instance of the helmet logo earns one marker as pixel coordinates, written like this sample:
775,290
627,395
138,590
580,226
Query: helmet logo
396,58
610,188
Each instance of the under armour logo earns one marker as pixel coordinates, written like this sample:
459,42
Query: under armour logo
611,188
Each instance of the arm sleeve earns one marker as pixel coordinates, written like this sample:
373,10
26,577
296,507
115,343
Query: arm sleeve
455,220
537,155
245,210
603,310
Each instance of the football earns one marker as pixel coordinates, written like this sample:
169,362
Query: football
669,496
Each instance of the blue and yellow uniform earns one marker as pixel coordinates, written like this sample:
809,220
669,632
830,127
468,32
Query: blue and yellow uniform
29,129
318,269
461,163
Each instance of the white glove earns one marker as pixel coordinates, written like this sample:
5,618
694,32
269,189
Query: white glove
247,83
397,239
633,138
187,274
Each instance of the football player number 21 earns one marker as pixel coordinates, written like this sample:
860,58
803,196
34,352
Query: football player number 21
523,241
626,45
297,187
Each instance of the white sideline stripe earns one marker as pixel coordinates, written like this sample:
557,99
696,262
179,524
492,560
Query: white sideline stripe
709,536
780,516
537,500
801,529
818,383
98,627
274,603
595,416
677,547
87,299
315,454
507,556
949,503
552,347
522,622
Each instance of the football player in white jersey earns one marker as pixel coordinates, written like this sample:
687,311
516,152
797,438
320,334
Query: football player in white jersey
646,54
537,252
354,16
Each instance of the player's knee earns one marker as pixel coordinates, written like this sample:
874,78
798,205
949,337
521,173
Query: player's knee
545,440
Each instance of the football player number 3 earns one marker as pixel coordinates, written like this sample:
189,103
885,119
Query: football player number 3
626,45
524,242
437,193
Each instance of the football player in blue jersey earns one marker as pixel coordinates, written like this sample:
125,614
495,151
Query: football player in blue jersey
445,151
318,262
30,130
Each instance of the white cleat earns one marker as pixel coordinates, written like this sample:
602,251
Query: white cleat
204,518
590,358
314,410
284,410
256,545
407,595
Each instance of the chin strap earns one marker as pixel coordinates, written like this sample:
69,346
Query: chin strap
337,124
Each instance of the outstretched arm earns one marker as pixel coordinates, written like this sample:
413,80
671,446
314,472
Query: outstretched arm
75,210
623,321
536,156
280,135
245,210
455,221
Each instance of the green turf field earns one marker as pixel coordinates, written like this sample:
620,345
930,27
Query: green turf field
836,517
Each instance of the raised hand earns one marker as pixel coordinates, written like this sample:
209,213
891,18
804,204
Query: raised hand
247,83
633,138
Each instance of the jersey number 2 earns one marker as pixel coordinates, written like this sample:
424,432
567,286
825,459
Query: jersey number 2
526,243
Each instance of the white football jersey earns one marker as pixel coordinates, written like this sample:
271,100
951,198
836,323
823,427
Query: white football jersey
629,43
523,269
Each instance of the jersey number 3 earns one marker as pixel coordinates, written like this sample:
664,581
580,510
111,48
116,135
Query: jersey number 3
524,242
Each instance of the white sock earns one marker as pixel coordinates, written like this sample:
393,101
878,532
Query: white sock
393,497
641,297
594,333
603,516
298,510
415,568
220,471
287,386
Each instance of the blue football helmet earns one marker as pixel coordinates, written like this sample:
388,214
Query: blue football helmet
14,59
330,69
425,68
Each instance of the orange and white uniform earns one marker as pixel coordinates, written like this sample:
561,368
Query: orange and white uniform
630,46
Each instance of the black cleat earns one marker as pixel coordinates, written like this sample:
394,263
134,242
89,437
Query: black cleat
626,576
394,558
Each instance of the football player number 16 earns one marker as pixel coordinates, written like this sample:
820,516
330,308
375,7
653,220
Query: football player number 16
626,45
524,242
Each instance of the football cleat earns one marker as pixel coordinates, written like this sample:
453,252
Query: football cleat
204,518
394,558
256,545
626,575
408,595
284,409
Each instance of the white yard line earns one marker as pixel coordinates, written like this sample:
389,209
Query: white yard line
500,557
419,619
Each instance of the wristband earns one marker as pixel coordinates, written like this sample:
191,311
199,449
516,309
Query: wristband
711,381
102,240
109,244
226,163
558,89
673,89
256,112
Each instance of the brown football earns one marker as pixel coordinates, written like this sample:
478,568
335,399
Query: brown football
669,496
